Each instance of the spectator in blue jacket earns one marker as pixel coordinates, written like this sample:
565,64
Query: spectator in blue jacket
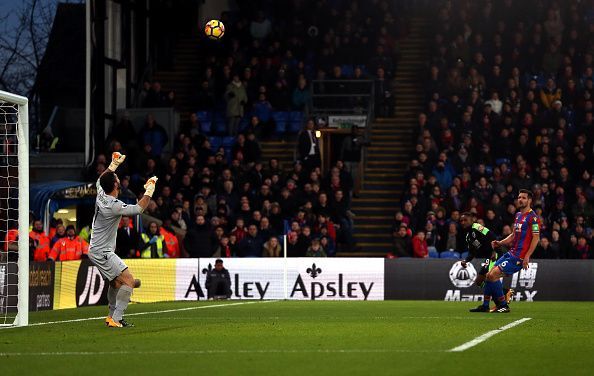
155,135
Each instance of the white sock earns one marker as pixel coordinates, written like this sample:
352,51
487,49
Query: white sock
122,300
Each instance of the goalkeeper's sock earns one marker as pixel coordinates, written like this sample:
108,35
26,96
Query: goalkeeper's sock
122,300
111,299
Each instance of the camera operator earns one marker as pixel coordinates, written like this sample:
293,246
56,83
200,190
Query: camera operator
218,282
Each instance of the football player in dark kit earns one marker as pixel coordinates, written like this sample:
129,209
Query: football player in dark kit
478,241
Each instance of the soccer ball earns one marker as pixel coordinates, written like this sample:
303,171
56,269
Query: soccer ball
214,29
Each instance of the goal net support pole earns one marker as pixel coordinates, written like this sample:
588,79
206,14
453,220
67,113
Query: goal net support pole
22,130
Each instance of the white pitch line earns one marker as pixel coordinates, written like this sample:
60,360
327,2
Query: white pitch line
142,313
206,352
486,336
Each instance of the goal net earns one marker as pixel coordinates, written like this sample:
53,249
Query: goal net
14,210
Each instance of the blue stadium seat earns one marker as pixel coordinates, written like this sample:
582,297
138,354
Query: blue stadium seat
502,160
295,121
220,127
228,154
215,142
281,120
205,127
347,70
296,116
228,141
449,255
433,253
464,255
204,116
243,124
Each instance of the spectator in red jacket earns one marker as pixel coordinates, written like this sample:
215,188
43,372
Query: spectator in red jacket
420,245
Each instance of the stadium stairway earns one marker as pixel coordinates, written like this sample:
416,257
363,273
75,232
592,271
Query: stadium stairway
388,156
183,78
283,150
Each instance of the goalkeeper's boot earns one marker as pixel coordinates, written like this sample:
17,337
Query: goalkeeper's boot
111,323
107,319
480,308
509,295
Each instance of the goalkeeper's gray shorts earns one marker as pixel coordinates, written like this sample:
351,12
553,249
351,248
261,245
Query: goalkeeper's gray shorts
109,264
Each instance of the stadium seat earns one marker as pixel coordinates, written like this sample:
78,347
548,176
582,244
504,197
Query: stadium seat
281,119
204,116
228,141
347,70
433,253
205,127
220,128
215,142
464,255
295,121
228,154
449,255
244,123
502,160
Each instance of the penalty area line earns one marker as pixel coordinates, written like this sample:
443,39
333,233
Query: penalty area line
141,313
486,336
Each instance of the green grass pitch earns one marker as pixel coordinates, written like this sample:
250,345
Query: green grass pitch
305,338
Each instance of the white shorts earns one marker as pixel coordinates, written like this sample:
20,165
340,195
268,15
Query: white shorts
109,264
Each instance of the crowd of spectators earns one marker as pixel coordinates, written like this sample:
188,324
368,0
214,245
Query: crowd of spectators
226,201
508,106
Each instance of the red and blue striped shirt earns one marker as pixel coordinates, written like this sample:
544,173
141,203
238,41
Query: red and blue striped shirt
525,227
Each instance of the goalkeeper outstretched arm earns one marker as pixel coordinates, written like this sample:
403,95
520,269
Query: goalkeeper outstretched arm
149,190
116,160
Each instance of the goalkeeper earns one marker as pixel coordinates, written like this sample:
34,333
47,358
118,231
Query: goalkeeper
478,241
108,212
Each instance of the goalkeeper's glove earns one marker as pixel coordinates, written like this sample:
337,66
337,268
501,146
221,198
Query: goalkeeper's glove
116,160
149,187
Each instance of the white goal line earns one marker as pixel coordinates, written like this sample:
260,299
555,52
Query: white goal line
489,334
144,313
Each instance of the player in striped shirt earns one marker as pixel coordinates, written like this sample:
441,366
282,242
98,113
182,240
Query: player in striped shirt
522,242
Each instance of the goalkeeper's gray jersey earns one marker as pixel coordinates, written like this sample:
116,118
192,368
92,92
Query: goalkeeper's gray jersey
108,212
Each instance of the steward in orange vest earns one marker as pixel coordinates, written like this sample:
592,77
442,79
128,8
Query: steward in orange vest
71,247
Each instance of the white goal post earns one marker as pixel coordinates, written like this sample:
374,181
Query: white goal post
14,158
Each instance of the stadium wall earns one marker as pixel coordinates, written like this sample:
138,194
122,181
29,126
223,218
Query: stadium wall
73,284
